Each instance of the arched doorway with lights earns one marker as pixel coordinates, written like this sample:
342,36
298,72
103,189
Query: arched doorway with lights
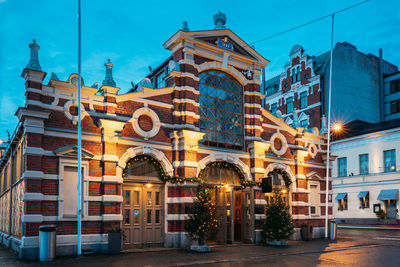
280,182
232,200
143,203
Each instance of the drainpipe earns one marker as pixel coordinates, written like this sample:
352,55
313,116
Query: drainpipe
381,89
11,187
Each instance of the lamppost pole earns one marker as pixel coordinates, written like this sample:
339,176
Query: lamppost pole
329,134
79,211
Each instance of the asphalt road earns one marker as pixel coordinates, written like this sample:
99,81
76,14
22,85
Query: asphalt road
353,248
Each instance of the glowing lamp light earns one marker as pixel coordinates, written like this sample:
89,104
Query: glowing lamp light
284,191
149,185
337,127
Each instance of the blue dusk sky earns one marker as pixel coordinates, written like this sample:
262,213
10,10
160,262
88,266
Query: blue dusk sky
131,33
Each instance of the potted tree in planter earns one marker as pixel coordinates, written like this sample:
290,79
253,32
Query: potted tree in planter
306,231
114,240
202,219
277,225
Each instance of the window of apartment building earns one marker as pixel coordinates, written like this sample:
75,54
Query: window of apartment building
160,82
342,167
394,86
394,106
298,74
303,100
364,164
364,199
389,159
294,75
314,199
289,105
342,201
271,90
274,108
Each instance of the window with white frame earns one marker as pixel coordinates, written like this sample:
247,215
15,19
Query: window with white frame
298,74
363,164
342,167
289,105
389,158
303,100
314,199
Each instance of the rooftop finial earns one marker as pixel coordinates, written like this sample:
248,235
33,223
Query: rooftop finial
33,63
108,80
219,21
185,26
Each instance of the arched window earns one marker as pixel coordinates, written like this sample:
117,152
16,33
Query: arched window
218,175
221,110
142,169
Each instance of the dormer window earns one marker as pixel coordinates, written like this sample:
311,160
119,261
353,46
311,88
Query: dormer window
160,82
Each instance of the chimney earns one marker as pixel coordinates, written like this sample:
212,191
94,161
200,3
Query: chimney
108,80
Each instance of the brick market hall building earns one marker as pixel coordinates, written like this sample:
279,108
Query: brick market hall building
196,116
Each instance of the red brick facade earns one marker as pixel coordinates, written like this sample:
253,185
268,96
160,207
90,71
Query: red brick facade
162,123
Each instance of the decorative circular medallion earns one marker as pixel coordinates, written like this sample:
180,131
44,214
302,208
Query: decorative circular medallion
278,144
145,122
312,149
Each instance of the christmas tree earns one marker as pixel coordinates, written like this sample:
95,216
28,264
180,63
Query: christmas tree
278,223
202,216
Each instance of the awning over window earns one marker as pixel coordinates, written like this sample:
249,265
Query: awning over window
389,194
341,196
362,194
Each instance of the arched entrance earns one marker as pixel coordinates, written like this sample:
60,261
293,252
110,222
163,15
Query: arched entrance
280,181
143,203
231,199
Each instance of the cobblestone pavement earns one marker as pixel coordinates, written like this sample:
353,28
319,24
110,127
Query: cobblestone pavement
353,248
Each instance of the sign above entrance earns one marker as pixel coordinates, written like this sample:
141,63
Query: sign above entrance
224,44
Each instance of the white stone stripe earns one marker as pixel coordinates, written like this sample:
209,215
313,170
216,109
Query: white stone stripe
37,218
186,113
177,217
175,200
63,240
186,100
187,88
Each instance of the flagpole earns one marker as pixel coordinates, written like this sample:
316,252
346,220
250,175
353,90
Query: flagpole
329,134
79,222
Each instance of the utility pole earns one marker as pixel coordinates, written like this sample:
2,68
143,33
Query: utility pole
79,213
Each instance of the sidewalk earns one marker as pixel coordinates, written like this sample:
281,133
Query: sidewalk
221,254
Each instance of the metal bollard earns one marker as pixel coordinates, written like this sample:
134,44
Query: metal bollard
47,242
333,230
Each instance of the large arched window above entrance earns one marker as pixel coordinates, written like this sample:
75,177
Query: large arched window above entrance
142,168
219,175
221,110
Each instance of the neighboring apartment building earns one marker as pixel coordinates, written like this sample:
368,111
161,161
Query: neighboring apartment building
197,116
392,96
299,94
366,172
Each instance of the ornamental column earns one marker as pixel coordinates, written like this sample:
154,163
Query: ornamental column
185,144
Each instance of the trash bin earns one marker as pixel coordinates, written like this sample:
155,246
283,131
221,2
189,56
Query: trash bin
47,242
333,230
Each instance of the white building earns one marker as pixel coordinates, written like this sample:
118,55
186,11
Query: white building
365,175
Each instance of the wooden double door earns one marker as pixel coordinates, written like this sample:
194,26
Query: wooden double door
143,211
232,213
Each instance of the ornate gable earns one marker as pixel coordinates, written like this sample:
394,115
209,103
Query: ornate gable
72,152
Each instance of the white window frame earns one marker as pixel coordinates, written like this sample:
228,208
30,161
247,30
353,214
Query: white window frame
318,203
68,162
